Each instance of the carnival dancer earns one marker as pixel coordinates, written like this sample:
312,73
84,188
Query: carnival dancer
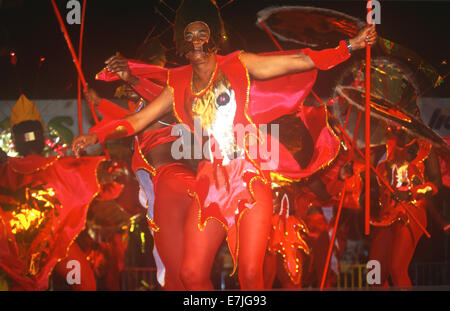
44,202
233,195
412,169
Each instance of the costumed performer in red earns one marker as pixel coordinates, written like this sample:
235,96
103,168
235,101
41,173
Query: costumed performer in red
44,203
233,196
412,169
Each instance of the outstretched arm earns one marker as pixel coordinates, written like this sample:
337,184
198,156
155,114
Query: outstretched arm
263,67
129,125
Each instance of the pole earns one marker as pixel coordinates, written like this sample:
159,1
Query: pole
74,56
80,53
381,178
333,238
367,132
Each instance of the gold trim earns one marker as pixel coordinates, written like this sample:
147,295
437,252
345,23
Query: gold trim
172,90
398,114
153,170
247,100
45,166
424,190
156,227
211,80
97,74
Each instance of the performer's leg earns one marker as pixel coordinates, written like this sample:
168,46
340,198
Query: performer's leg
200,248
320,249
403,246
254,229
171,204
87,277
380,250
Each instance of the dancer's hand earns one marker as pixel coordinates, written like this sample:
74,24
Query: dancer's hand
119,65
82,141
366,35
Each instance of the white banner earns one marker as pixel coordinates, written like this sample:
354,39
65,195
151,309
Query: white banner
435,112
63,113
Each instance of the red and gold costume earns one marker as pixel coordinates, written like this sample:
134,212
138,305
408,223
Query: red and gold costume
396,233
257,102
44,208
351,185
404,175
226,185
288,238
302,229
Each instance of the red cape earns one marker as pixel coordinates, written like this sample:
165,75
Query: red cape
268,100
74,183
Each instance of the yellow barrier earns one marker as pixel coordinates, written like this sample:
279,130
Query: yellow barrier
357,275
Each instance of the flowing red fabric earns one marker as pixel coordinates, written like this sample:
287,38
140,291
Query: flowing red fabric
150,139
75,185
139,69
110,110
146,139
271,99
268,100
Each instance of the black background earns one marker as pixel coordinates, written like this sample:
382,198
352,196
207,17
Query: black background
30,29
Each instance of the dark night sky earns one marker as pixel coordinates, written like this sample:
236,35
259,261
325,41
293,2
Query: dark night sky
30,29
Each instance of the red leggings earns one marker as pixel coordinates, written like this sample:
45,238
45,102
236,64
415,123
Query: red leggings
172,201
394,248
201,246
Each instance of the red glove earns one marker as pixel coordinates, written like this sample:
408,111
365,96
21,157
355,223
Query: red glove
328,58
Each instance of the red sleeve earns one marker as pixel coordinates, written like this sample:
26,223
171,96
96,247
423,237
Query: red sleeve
147,89
110,110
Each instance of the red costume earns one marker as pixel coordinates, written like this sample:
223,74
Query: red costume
38,228
288,238
397,234
304,230
235,183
